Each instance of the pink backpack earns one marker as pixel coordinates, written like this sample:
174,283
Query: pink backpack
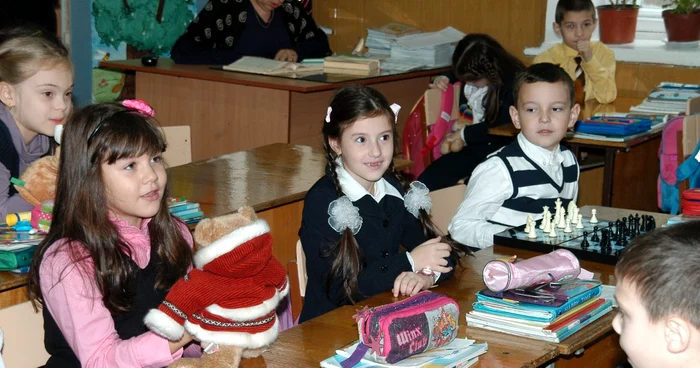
668,158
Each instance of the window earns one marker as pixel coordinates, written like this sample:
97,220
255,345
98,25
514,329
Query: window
648,47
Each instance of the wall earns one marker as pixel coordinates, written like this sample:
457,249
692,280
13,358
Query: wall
517,24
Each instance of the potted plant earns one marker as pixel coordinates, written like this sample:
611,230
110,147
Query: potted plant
618,21
682,20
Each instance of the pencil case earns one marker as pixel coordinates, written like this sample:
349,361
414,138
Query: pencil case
559,265
411,326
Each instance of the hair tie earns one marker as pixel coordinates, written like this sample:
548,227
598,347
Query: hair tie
395,108
140,106
417,199
328,114
344,215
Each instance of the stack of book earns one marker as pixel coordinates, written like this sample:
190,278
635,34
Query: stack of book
186,211
379,40
618,126
459,353
551,312
668,98
432,49
350,65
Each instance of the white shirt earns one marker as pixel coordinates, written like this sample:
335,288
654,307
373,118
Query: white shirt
490,185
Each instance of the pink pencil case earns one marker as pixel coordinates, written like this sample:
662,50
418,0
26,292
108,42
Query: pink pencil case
411,326
559,265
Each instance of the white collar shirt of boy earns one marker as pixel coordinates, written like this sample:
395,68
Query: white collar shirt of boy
354,191
489,186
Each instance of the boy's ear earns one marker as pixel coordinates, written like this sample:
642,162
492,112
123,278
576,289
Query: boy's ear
557,29
575,111
7,94
335,145
514,116
677,334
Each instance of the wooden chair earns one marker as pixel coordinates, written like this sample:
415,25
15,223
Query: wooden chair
179,151
24,336
445,204
689,137
297,280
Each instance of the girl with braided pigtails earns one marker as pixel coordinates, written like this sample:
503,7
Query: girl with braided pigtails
361,212
487,71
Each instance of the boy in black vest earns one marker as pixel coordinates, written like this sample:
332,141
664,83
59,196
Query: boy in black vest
534,170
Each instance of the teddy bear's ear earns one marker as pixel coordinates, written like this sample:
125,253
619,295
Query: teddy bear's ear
248,212
202,232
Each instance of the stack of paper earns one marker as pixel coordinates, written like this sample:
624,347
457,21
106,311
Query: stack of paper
258,65
352,65
550,313
459,353
432,49
668,98
379,40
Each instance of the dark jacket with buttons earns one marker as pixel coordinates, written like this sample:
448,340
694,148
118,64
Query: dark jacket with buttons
386,226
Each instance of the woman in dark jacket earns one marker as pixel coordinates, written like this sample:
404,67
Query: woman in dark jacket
226,30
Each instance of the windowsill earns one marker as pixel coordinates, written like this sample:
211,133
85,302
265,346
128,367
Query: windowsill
642,51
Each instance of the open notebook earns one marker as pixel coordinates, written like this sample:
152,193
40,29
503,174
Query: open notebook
258,65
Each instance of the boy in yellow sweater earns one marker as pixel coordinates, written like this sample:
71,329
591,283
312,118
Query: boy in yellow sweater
590,64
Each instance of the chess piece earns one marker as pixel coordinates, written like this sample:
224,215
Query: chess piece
594,219
652,223
579,223
532,234
584,243
528,224
547,224
567,229
604,239
553,232
562,220
557,203
595,237
545,217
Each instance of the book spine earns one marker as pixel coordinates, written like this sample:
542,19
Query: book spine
185,207
190,215
350,65
594,292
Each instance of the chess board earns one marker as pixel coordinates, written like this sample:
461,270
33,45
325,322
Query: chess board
518,238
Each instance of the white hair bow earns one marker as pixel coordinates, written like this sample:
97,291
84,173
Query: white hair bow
395,108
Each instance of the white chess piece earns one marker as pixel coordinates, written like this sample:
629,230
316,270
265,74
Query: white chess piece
547,224
545,216
553,232
562,220
557,203
594,219
533,232
579,224
575,217
528,224
567,229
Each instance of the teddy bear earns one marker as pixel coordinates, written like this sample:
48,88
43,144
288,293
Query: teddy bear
228,301
453,141
39,180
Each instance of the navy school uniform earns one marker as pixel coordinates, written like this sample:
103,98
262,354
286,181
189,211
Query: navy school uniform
386,225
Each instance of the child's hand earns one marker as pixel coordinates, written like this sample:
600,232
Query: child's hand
431,254
440,83
584,49
410,283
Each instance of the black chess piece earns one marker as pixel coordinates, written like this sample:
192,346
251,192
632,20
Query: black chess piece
618,224
584,243
618,252
652,223
595,237
623,241
611,230
604,239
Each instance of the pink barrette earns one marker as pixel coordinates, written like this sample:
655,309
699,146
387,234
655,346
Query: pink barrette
395,108
328,114
140,106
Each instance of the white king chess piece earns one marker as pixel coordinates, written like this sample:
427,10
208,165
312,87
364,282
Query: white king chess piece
594,219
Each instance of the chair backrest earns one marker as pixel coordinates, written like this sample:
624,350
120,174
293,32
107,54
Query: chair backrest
446,201
296,269
179,151
24,336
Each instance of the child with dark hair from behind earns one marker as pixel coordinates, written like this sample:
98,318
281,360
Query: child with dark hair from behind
486,71
529,173
657,294
113,249
591,64
358,215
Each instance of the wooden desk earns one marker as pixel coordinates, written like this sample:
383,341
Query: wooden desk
308,343
230,112
272,179
630,168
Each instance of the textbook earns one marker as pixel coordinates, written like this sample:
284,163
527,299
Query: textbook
258,65
361,73
533,312
553,295
555,332
459,353
350,62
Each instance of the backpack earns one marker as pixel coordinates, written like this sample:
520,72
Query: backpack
670,173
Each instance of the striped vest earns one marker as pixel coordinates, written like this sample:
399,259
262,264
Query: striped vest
532,187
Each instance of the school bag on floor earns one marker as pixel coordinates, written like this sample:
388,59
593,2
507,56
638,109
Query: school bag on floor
670,173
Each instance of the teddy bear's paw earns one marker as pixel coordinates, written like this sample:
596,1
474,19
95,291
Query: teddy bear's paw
187,363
